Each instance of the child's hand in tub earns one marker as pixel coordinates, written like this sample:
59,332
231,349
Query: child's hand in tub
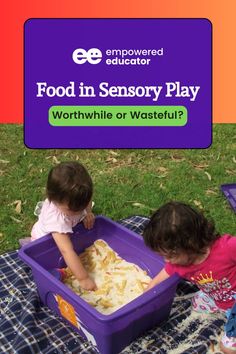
88,284
157,279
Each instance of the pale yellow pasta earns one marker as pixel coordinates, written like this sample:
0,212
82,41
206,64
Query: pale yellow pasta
140,285
118,281
101,243
105,303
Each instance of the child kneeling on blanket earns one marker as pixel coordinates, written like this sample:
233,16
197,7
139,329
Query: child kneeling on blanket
192,249
69,201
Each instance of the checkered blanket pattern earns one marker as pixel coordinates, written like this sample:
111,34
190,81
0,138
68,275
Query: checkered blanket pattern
28,327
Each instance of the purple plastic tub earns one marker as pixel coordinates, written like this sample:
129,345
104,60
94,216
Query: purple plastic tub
109,333
229,191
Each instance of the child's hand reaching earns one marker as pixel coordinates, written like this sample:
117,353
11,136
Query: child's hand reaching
88,221
157,279
72,260
88,284
150,285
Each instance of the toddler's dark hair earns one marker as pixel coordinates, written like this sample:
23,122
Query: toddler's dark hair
177,227
69,182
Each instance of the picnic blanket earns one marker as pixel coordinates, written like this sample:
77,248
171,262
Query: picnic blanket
28,327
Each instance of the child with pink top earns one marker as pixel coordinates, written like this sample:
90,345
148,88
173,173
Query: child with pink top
192,249
69,194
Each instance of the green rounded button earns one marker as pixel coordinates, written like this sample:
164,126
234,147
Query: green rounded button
117,116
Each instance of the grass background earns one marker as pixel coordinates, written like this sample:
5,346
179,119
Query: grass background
127,182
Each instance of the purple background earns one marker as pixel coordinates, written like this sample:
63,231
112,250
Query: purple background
49,44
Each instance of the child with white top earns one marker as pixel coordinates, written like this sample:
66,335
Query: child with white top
69,193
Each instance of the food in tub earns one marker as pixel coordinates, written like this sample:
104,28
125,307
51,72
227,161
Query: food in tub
118,281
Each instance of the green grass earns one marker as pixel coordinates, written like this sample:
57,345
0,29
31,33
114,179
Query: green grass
127,182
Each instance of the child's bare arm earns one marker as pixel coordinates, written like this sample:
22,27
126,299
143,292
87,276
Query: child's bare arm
161,276
72,260
89,207
88,221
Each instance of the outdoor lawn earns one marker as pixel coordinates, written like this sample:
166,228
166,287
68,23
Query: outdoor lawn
127,182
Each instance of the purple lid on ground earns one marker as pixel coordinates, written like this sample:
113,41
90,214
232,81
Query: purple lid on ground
229,191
